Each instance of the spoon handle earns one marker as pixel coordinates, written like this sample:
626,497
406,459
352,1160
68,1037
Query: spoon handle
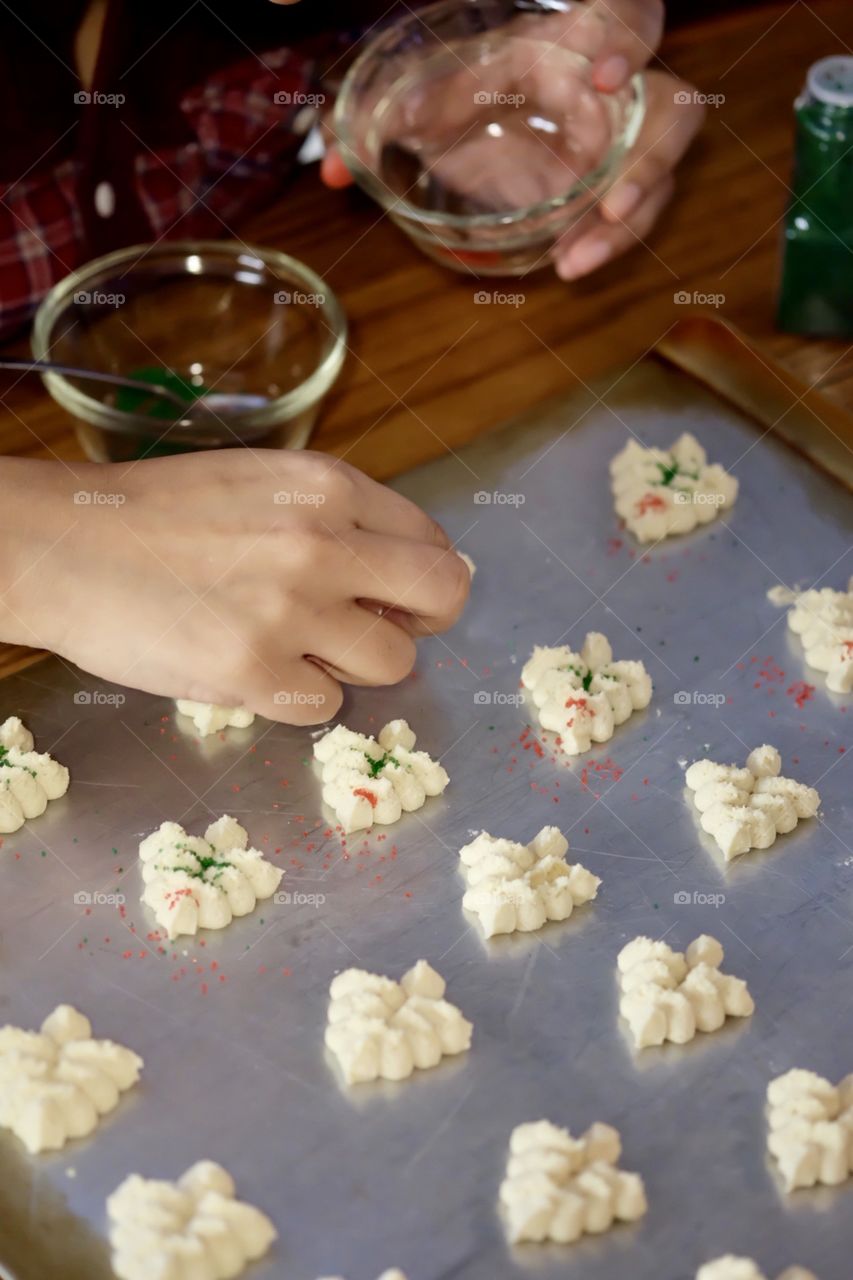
96,375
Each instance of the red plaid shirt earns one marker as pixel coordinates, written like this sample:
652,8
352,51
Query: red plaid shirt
239,133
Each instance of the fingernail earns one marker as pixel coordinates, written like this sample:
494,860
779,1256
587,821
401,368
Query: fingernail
612,73
585,258
623,200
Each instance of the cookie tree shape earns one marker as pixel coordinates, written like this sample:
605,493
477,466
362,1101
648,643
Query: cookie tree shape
521,886
28,779
210,718
193,883
810,1128
381,1029
824,622
192,1229
584,696
56,1083
747,808
370,780
659,492
558,1187
670,995
732,1268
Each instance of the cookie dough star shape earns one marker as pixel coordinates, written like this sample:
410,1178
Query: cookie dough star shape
381,1029
658,492
584,696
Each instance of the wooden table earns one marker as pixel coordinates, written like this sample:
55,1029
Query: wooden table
430,368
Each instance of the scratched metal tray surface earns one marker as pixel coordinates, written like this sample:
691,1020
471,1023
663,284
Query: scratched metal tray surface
231,1024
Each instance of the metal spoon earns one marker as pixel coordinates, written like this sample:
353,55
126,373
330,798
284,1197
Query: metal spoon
216,404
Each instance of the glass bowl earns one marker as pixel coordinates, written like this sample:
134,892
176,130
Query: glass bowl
197,316
475,124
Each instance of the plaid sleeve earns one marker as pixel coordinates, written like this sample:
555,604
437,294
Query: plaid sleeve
248,124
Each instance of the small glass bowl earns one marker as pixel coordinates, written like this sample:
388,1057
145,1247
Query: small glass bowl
482,135
206,314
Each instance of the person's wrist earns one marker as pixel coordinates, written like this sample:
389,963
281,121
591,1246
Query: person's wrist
36,513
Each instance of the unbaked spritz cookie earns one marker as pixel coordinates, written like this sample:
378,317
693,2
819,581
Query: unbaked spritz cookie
195,882
670,995
732,1268
659,492
56,1083
584,696
192,1229
824,622
28,778
559,1188
381,1029
810,1129
210,718
520,887
370,780
748,808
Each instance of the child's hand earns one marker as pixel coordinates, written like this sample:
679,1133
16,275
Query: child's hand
254,578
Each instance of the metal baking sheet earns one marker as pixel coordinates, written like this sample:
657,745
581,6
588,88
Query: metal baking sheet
231,1024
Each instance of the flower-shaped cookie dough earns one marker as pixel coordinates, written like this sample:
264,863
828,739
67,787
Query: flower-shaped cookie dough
732,1268
28,779
747,808
824,622
670,995
368,780
521,886
558,1187
193,883
810,1128
583,696
56,1083
209,718
192,1229
658,493
381,1029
